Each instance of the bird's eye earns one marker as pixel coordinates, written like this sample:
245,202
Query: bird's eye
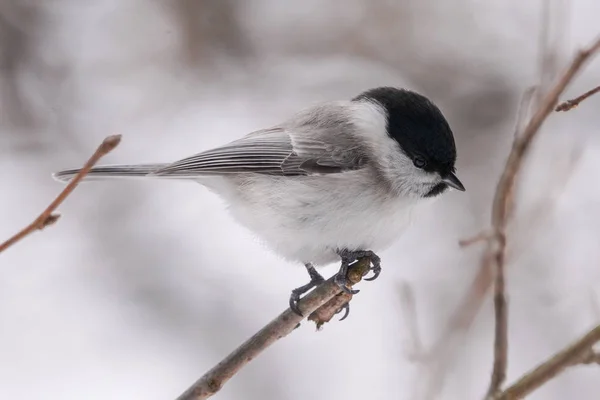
419,162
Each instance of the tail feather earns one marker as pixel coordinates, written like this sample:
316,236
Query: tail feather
110,172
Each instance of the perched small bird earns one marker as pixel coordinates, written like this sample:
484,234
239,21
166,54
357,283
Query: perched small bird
334,182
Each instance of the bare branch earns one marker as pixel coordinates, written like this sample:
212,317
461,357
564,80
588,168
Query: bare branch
327,311
524,110
521,144
580,352
502,207
553,24
480,237
212,381
569,104
591,357
48,217
497,250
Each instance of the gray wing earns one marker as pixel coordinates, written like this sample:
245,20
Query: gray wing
276,151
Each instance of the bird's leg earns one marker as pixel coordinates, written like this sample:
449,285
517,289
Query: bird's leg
348,257
315,280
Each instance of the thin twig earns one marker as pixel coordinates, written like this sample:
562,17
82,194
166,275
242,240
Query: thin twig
521,144
211,382
47,217
553,21
569,104
546,55
497,252
577,353
524,110
480,237
590,357
502,207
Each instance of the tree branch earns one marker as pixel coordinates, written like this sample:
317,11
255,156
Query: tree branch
502,208
212,381
522,143
47,217
569,104
580,352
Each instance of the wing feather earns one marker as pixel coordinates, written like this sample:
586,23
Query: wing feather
273,151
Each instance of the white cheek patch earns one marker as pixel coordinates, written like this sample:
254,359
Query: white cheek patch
396,166
370,118
400,170
408,177
431,178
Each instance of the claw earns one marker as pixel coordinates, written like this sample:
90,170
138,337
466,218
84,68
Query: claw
349,256
346,309
376,271
376,261
340,278
342,282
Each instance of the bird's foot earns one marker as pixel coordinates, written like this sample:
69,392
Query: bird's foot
315,280
349,257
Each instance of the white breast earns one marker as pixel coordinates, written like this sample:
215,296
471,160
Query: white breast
305,219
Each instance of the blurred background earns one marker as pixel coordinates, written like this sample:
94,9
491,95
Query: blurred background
143,286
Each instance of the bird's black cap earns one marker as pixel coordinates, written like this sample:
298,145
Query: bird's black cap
418,126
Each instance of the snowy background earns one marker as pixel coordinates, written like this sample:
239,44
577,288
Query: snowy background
143,286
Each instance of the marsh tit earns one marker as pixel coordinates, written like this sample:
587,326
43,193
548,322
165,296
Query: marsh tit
336,181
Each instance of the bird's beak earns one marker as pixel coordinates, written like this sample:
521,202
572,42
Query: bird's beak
452,181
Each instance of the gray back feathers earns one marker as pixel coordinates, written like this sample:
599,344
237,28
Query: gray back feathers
316,141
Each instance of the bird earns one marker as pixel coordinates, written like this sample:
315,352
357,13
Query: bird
336,181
